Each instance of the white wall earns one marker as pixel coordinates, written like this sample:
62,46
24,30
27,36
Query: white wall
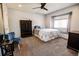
74,19
16,15
1,22
5,17
42,20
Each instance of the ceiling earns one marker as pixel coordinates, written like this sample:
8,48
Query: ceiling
28,7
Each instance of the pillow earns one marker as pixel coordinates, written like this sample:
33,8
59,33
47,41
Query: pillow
37,27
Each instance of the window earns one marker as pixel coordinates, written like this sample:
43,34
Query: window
61,22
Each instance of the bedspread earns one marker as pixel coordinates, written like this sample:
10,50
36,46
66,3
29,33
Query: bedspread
48,34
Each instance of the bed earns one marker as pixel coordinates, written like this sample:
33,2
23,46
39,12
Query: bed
46,34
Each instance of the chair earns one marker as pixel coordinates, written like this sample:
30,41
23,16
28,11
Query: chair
11,36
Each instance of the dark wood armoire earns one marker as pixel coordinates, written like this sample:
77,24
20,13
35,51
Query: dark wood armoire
26,28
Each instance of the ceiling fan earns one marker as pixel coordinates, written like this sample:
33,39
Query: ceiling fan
42,7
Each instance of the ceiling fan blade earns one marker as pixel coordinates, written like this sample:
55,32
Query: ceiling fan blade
35,7
42,5
45,9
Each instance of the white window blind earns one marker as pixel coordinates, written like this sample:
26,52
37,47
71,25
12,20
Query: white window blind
61,22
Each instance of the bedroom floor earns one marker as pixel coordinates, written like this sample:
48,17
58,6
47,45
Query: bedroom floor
33,46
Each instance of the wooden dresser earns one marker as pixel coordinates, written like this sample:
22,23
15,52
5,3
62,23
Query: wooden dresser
73,41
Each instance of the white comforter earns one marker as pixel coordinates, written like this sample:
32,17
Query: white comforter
48,34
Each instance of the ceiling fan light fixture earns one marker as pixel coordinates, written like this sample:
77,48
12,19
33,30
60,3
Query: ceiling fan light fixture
19,5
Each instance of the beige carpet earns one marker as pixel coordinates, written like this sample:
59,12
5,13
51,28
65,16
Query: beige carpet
33,46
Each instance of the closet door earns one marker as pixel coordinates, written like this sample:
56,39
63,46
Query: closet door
22,27
26,28
29,23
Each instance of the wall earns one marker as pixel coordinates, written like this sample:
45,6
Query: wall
15,16
5,18
1,22
74,26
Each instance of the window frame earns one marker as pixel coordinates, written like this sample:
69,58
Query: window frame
69,20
